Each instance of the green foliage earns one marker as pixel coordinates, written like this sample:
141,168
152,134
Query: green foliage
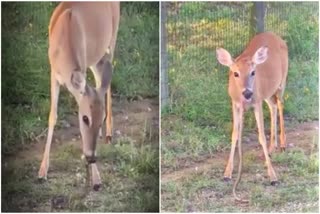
198,120
26,70
181,139
136,62
301,94
298,24
198,85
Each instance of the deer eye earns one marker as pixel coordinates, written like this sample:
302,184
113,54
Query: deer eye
253,73
85,120
236,74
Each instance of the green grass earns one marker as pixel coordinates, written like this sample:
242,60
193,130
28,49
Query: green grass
137,53
197,122
129,169
198,84
26,71
129,174
182,139
206,192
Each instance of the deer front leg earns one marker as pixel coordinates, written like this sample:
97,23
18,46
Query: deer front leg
104,65
97,74
96,179
109,116
262,140
55,88
237,115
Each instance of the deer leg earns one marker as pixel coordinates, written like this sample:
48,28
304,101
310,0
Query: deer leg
97,77
262,140
104,65
109,121
55,88
96,179
109,116
237,115
273,115
282,129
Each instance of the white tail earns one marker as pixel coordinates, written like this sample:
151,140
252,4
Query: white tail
83,35
258,74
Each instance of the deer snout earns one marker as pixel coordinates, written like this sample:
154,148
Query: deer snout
247,93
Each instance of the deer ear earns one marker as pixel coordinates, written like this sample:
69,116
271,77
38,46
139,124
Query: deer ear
105,77
78,81
224,57
261,55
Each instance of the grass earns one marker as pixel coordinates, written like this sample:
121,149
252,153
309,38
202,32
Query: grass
207,191
137,54
129,174
197,122
129,169
25,65
204,100
182,139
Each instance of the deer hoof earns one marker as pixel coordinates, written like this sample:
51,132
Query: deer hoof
97,187
41,179
108,139
283,149
42,174
226,179
275,183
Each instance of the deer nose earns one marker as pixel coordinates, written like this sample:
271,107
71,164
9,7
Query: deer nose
91,159
247,94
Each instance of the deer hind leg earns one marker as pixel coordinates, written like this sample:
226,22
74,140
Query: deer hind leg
282,129
110,51
272,103
237,119
262,140
55,88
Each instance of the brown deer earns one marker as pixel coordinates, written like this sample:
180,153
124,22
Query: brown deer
258,74
83,35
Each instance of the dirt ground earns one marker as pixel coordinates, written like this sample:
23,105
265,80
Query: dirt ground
299,136
200,183
134,123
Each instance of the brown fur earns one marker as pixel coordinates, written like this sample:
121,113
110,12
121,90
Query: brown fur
266,79
82,35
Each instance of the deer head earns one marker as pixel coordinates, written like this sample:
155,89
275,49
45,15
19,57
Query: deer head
243,70
91,103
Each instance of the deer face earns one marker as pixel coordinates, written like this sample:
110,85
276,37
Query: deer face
243,70
91,104
91,113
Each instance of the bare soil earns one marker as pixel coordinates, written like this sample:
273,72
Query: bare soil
129,119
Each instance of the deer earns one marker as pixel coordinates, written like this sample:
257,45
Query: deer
83,35
258,74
